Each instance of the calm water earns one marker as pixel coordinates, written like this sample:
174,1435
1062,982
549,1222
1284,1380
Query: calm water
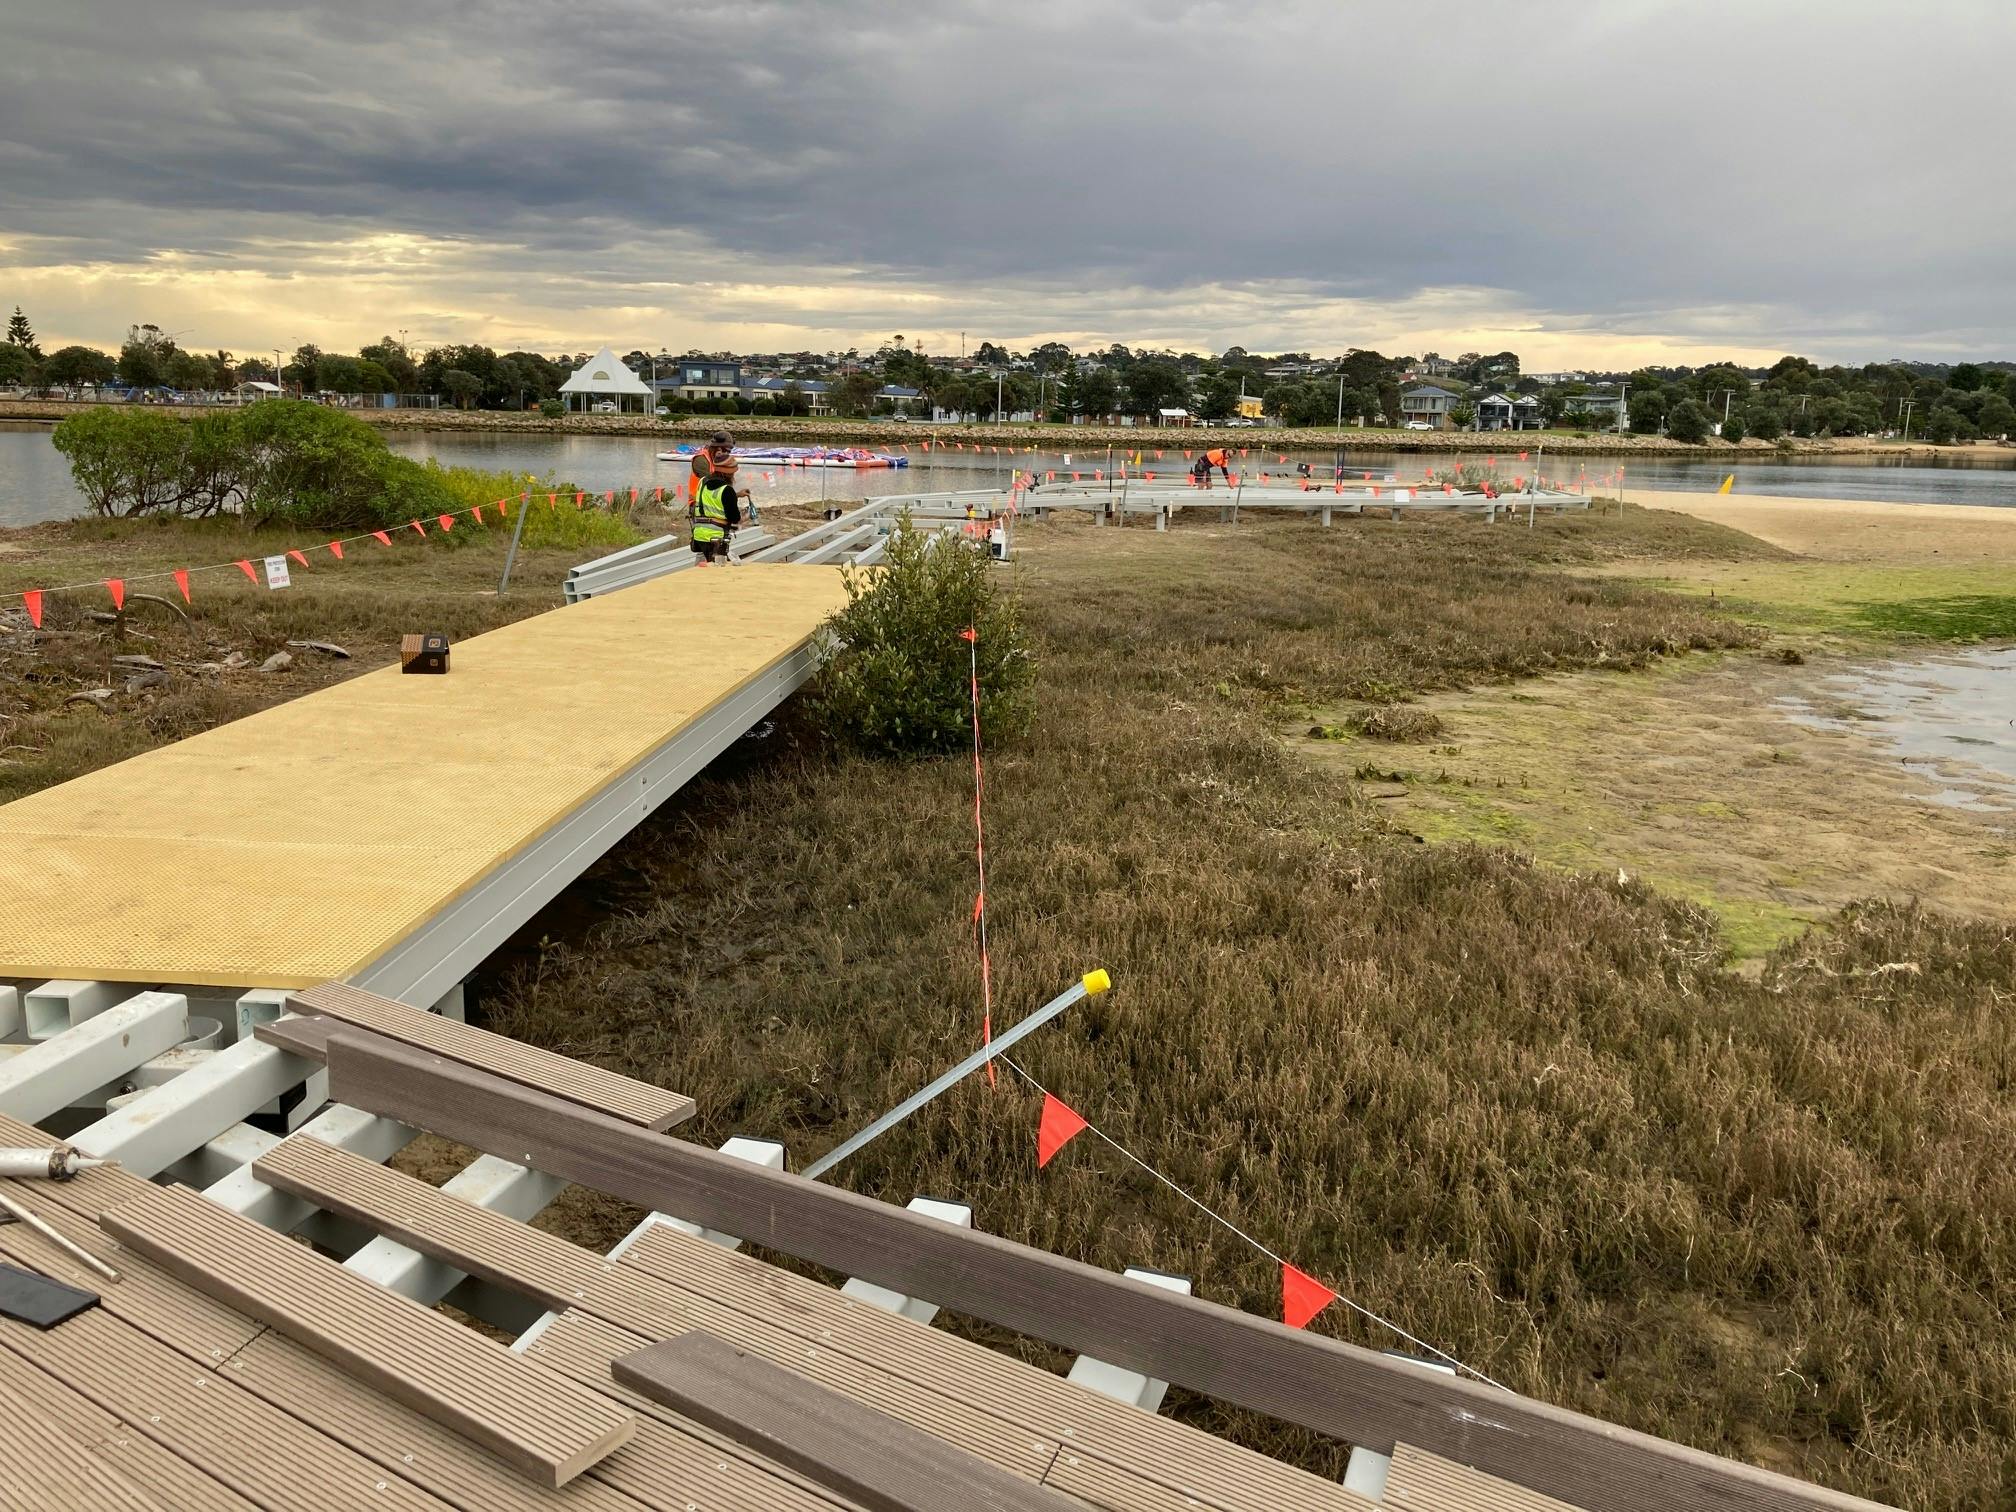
35,481
1951,719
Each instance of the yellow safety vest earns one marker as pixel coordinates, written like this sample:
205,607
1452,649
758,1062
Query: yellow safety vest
709,514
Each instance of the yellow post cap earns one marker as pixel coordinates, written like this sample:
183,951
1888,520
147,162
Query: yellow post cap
1096,982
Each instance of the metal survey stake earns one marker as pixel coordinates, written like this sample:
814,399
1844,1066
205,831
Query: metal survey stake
1091,985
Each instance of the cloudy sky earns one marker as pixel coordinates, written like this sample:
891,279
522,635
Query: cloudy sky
1601,182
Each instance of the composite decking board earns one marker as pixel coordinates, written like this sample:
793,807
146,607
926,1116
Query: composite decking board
548,1428
1420,1482
866,1456
46,1462
1339,1389
402,1441
577,1081
162,1473
586,1347
256,1449
161,867
1009,1413
144,1296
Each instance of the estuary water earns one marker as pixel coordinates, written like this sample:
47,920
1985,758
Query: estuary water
35,480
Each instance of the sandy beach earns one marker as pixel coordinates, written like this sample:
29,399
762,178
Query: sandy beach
1858,530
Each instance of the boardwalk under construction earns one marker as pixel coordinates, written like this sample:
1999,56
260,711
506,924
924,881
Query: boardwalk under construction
307,841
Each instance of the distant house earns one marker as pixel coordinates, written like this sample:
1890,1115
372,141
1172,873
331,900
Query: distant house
1252,407
697,379
1502,412
1608,410
1429,404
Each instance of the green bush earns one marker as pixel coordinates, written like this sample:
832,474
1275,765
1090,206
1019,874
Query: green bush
1734,429
134,461
763,408
552,409
731,406
897,680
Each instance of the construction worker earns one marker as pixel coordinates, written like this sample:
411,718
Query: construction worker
715,512
1217,457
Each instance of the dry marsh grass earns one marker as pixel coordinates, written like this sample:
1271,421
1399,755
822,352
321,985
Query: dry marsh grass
1524,1113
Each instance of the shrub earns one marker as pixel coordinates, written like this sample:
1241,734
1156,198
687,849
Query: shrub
1398,722
897,680
1734,429
302,464
731,406
763,408
1687,421
678,404
139,461
552,409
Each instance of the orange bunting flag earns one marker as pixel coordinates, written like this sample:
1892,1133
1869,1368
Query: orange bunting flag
446,522
182,582
1150,476
418,527
336,550
1522,456
1050,475
33,599
609,496
246,568
1302,1296
1059,1127
550,498
658,493
476,512
377,535
117,588
299,557
633,496
580,499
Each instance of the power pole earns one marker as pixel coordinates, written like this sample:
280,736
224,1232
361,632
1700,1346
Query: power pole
1907,405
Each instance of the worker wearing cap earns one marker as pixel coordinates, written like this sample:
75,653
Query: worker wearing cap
1217,457
717,456
714,513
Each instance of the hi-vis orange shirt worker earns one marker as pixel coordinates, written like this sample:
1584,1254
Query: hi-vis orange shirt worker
717,456
1217,457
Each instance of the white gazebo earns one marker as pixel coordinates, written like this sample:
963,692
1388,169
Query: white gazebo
603,379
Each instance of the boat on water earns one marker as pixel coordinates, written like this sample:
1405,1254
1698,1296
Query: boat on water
802,456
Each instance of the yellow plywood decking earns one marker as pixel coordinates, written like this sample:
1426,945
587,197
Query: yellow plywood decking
301,843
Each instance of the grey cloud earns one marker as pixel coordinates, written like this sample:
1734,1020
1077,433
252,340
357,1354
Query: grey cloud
1836,170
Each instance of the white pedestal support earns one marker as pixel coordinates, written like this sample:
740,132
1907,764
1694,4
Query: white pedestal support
1129,1386
1365,1471
916,1309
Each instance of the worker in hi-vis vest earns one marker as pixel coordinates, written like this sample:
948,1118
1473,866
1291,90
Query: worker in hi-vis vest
715,513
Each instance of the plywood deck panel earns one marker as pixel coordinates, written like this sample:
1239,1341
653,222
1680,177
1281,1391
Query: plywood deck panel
1420,1482
45,1462
1008,1413
591,1086
255,1449
547,1427
299,844
863,1455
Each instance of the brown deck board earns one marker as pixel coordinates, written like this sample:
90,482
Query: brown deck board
1421,1482
402,1441
1353,1394
561,1076
998,1408
547,1427
46,1462
257,1450
863,1455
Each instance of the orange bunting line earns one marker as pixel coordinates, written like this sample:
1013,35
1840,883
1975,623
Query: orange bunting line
446,522
1058,1128
33,599
246,568
182,582
336,550
117,588
299,557
1302,1296
417,527
378,535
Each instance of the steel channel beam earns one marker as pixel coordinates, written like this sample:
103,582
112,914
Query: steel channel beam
55,1072
456,940
161,1126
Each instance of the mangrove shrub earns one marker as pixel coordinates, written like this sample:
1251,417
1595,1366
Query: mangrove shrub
897,681
278,461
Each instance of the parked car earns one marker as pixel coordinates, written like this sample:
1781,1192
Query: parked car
605,407
1419,425
1244,422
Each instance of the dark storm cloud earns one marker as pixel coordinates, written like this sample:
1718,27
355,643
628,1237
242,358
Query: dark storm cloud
1837,173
